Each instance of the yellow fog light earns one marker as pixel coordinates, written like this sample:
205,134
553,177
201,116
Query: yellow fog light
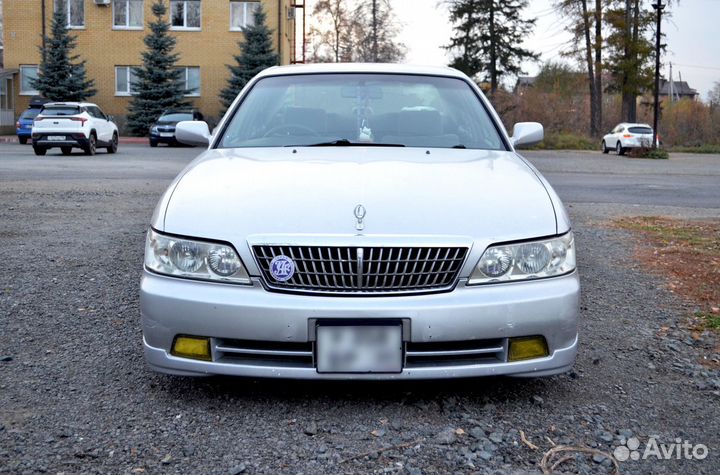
195,347
527,348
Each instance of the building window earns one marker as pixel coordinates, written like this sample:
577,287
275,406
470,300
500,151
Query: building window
242,14
27,75
190,80
124,79
185,14
75,11
128,14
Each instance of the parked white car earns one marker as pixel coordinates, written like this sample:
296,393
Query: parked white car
360,221
73,124
625,136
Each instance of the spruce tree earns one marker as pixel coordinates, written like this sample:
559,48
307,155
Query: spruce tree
256,54
488,38
61,77
158,86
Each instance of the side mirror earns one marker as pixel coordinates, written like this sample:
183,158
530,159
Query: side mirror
526,134
193,132
110,118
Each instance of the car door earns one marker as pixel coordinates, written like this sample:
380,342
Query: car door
616,133
103,127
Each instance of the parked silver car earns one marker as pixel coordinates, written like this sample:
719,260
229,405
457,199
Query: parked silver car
354,221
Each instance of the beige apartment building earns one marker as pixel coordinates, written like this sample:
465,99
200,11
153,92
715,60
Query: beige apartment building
110,37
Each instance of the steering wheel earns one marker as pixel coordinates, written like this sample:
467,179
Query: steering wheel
287,129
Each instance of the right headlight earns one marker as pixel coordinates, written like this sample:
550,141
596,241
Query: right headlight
527,260
193,259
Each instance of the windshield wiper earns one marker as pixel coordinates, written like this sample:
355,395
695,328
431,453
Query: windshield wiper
458,146
347,143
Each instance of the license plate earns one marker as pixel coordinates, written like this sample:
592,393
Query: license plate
56,137
359,349
166,134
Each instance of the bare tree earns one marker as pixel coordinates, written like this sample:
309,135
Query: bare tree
332,32
586,27
376,30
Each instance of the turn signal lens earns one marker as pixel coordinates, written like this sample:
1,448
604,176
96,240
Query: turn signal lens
527,348
195,347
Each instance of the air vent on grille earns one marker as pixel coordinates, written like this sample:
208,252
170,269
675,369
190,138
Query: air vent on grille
364,269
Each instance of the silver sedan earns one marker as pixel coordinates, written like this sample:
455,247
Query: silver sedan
356,221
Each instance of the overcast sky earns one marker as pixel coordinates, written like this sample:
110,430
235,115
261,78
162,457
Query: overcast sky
693,37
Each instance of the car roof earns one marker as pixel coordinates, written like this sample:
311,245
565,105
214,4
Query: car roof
384,68
633,124
78,104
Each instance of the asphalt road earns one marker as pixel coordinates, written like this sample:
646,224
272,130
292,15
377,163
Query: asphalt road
75,397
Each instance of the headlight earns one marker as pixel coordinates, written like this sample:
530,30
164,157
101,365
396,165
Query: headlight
154,129
182,257
528,260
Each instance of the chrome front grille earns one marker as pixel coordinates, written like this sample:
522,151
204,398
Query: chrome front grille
360,270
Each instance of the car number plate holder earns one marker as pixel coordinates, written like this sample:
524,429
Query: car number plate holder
359,348
56,138
166,134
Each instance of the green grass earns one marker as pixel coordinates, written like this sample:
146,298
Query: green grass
707,148
566,141
709,320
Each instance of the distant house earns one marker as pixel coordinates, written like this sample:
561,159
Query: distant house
680,90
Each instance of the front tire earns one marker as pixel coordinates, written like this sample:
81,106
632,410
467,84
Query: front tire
619,149
604,147
39,151
91,147
112,148
66,150
22,140
153,143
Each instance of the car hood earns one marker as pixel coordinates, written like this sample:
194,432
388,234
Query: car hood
237,195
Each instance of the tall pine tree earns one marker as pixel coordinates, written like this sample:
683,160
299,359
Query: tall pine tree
158,86
488,37
256,53
60,76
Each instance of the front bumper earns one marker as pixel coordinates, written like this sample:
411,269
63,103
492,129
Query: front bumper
163,139
547,307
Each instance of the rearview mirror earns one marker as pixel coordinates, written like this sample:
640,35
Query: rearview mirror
526,134
193,132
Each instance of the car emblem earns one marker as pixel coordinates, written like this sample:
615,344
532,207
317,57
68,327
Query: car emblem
359,215
282,268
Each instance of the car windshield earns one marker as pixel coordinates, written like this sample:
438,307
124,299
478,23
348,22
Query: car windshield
176,117
640,130
60,110
30,113
362,109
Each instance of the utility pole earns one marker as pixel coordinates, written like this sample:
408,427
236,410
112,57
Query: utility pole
659,6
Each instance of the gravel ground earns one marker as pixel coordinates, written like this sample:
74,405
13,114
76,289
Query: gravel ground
76,398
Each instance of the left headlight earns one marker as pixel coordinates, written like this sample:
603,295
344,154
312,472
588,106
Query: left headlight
182,257
527,260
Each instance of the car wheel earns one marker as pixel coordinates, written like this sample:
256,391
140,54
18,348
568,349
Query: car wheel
91,146
22,140
112,148
66,150
604,147
153,143
619,149
39,150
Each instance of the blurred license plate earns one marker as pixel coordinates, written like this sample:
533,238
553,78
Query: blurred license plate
359,349
166,134
56,137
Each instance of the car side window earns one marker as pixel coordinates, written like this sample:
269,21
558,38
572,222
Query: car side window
100,113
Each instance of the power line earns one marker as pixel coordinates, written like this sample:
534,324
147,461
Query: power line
713,68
